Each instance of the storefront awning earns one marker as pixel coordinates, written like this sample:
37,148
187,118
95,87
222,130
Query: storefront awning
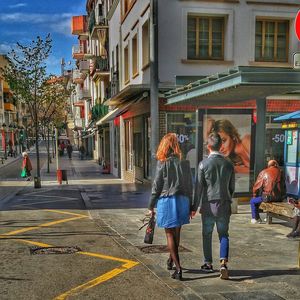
236,85
120,109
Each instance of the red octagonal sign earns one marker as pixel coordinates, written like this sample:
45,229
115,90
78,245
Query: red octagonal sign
297,25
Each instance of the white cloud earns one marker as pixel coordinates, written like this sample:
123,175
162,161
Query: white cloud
6,47
17,5
59,23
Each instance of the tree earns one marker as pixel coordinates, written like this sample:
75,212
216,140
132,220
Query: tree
26,75
54,102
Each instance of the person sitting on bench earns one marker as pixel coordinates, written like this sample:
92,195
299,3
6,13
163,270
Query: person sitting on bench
269,187
296,227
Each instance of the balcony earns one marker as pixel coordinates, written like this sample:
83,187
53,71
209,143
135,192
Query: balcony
9,107
84,66
96,22
114,85
84,94
79,25
99,111
99,67
78,77
78,51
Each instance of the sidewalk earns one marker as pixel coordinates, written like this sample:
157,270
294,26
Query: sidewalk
263,263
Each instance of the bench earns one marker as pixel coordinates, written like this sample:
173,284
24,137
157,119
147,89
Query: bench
279,210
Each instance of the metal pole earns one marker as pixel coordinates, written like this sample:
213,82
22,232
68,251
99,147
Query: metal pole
154,101
56,148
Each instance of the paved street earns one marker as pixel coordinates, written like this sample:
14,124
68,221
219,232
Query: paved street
101,215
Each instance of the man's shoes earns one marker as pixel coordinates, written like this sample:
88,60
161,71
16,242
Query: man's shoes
208,268
258,221
293,234
224,272
28,179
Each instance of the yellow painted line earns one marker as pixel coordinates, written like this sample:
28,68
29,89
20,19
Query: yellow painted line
66,213
104,256
15,232
94,282
34,243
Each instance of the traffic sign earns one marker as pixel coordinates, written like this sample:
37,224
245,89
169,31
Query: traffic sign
297,25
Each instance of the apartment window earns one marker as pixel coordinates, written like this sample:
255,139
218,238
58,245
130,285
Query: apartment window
205,37
126,65
271,40
134,49
126,6
145,43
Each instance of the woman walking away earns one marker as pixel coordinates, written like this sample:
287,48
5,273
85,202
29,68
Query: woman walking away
26,166
172,191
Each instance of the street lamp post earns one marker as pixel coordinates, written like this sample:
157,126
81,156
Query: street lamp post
3,129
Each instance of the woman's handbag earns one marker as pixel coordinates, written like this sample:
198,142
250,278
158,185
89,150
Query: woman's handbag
23,173
148,239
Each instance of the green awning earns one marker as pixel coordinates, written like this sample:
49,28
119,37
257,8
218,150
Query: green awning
236,85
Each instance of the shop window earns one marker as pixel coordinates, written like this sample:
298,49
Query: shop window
126,65
134,52
183,124
205,38
271,40
145,44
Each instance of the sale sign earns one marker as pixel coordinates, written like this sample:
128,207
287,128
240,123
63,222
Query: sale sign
297,25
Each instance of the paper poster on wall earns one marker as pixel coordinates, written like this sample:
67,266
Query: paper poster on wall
235,131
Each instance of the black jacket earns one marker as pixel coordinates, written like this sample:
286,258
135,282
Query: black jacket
214,180
173,177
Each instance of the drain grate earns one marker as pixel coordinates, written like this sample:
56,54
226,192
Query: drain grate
54,250
160,249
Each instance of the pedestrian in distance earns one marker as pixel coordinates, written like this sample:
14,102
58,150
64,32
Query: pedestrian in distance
81,151
26,166
69,150
172,191
269,187
214,188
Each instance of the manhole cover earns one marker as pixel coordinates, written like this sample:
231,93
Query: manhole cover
160,249
54,250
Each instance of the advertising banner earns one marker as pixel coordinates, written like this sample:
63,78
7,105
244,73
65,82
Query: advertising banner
235,129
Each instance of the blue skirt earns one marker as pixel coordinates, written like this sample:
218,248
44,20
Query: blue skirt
173,211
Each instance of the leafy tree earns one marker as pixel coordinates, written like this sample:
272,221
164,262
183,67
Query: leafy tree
26,75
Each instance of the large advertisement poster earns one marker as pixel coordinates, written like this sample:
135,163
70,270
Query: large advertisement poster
235,129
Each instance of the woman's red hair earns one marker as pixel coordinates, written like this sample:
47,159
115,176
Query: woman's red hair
168,145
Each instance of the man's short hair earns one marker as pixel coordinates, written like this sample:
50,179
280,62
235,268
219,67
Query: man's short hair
272,163
214,141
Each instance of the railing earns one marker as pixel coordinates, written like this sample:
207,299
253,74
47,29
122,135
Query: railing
96,21
77,49
84,65
99,64
99,111
84,94
77,76
114,85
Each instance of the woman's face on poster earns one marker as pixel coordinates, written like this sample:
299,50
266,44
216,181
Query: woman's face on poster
227,144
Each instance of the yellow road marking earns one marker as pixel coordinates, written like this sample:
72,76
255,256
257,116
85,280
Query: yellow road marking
94,282
104,256
66,213
128,264
15,232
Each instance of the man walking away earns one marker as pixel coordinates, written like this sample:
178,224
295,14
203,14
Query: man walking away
69,150
81,151
213,192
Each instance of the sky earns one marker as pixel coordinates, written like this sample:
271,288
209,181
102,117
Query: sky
23,20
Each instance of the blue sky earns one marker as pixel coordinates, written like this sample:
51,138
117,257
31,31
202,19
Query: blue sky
23,20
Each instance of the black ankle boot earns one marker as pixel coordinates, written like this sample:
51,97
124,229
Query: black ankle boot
170,264
177,275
